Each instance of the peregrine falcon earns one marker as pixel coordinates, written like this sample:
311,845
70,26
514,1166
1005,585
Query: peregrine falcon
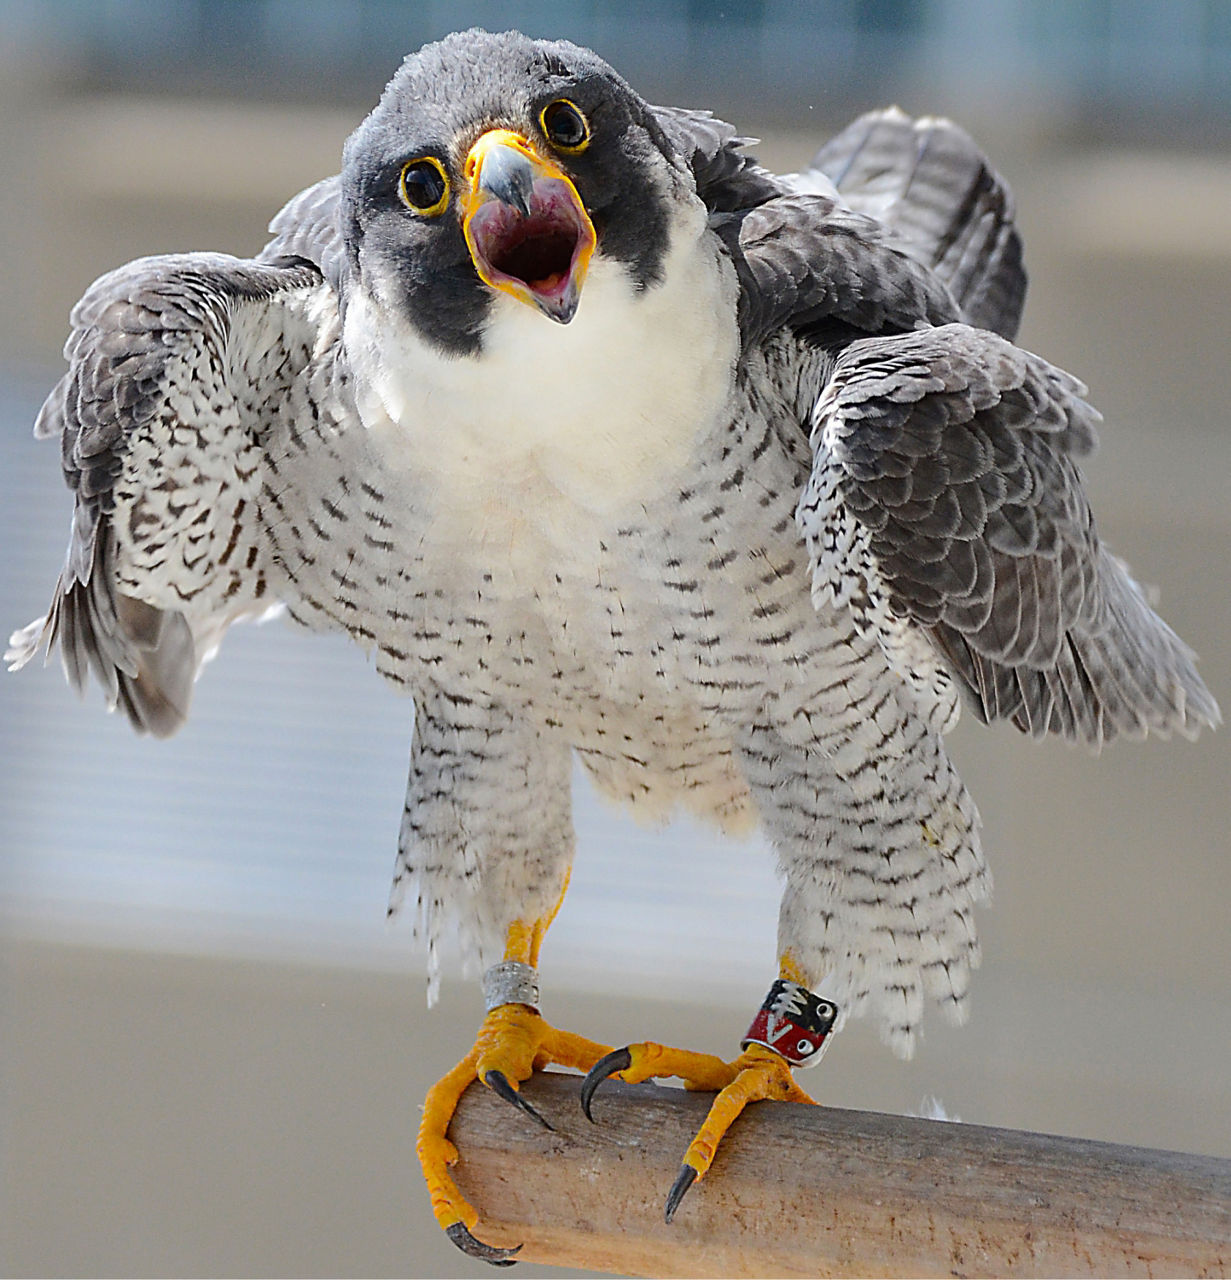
605,441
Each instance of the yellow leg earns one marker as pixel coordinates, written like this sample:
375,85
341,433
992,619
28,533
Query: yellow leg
525,937
792,971
436,1152
513,1042
701,1071
758,1074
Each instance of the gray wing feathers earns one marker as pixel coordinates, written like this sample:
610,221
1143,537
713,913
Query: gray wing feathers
927,181
1129,677
957,454
306,228
125,413
727,177
807,263
143,658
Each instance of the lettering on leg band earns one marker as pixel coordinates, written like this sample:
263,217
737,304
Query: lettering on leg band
794,1022
511,982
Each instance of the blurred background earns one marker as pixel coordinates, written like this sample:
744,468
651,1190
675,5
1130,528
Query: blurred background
213,1046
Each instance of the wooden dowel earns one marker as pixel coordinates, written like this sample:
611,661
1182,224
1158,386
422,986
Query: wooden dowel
812,1191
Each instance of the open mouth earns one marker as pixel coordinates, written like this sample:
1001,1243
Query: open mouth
539,256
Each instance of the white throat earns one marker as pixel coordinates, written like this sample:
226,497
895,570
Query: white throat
598,413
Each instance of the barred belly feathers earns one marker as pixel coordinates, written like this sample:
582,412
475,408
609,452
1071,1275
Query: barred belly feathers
609,444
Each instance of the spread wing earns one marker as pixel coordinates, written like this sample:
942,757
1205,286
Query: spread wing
946,490
307,229
182,372
929,184
808,264
727,177
897,222
945,496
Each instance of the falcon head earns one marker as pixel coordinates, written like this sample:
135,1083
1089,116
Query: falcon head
497,165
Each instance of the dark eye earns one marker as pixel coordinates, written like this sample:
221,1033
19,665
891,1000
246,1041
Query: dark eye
565,126
424,186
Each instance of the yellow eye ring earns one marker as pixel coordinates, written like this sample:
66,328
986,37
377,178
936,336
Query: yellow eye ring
424,186
564,126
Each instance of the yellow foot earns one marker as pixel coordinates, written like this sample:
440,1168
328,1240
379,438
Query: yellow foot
757,1075
513,1042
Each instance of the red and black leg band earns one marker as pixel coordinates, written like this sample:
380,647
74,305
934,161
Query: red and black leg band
794,1022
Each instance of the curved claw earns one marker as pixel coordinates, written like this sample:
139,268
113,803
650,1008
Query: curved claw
607,1065
459,1233
679,1188
499,1084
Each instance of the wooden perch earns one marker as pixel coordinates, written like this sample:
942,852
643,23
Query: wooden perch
809,1191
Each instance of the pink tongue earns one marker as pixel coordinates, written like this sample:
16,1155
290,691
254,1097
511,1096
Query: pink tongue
536,253
540,260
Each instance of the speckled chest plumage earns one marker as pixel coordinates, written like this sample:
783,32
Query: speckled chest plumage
590,549
683,609
672,643
604,537
733,523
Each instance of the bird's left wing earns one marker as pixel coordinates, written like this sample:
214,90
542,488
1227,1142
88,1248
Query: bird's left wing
946,495
928,182
185,373
945,505
727,176
808,264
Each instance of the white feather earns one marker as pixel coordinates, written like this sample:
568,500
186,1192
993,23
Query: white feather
590,416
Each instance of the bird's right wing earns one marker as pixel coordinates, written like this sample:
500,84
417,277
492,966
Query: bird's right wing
184,373
308,228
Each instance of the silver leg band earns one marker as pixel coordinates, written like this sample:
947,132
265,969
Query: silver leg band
511,982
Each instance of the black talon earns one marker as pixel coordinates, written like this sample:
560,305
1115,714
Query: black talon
679,1188
499,1084
609,1064
467,1243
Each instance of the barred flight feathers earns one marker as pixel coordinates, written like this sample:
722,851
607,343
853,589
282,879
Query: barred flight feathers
955,452
927,181
808,264
177,366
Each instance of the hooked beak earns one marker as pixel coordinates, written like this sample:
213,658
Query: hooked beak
527,231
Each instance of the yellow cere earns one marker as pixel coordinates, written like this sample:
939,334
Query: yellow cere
499,138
